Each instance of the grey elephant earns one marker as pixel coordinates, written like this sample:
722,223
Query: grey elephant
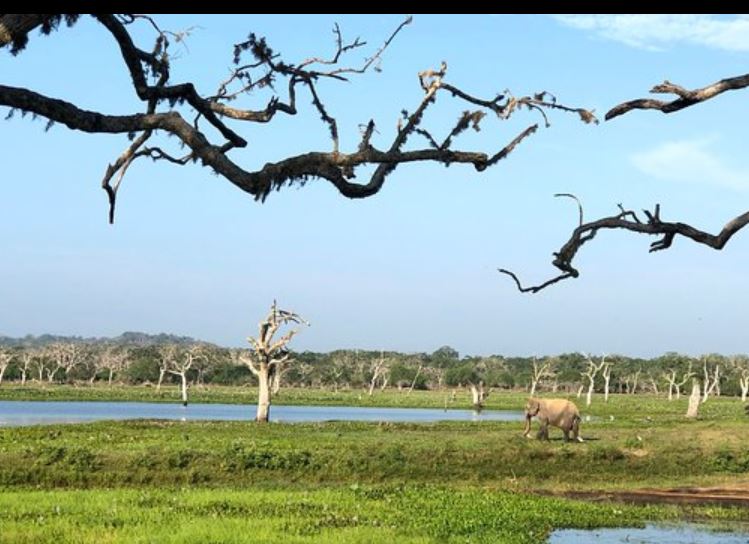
557,412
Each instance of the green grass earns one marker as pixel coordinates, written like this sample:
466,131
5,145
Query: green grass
352,514
172,481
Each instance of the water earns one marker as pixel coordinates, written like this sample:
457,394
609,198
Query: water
19,413
652,534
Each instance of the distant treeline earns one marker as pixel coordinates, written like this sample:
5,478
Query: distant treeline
138,358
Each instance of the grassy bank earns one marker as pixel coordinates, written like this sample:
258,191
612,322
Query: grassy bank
355,514
171,481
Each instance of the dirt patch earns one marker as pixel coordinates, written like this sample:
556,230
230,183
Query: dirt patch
724,496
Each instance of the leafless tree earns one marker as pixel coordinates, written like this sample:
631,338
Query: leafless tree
178,109
539,371
631,381
26,359
711,379
673,385
379,372
64,356
590,374
6,356
181,365
478,394
606,374
267,353
167,354
113,359
740,365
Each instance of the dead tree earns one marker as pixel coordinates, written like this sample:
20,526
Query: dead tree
267,354
539,371
379,371
740,366
651,224
167,354
205,124
26,359
5,358
478,394
112,359
181,365
673,385
631,382
64,356
590,374
606,373
416,377
694,400
711,380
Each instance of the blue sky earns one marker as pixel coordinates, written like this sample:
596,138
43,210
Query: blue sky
413,267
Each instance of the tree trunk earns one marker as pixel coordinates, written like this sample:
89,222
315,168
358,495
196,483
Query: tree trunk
694,400
589,396
263,396
606,380
580,390
744,383
2,372
111,373
184,388
534,383
23,377
162,371
276,383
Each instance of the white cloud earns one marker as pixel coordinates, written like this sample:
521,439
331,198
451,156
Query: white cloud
729,33
691,161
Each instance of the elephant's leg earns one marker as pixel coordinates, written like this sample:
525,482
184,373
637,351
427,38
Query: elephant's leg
543,433
566,432
576,429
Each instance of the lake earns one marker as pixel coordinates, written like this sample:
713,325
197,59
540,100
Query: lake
19,413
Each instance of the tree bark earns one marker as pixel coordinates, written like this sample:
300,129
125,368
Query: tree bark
162,371
694,400
263,395
184,388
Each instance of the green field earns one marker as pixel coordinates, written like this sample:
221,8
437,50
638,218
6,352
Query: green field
159,481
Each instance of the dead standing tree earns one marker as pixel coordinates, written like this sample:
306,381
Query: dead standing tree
181,364
673,385
711,379
65,356
539,371
267,354
5,358
205,124
590,374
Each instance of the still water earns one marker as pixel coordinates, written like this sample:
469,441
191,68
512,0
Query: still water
19,413
652,534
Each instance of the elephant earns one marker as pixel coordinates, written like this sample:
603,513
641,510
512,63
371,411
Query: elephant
557,412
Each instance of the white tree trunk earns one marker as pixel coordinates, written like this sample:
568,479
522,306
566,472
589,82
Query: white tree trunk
263,396
23,376
589,396
694,400
111,373
606,380
533,388
580,390
184,388
162,371
744,384
2,372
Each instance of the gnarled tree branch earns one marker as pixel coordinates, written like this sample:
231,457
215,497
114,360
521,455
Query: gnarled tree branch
149,71
685,98
628,220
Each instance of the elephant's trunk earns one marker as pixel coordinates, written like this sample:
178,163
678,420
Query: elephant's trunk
527,428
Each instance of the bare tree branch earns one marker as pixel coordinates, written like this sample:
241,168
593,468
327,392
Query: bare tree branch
685,98
628,220
149,71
